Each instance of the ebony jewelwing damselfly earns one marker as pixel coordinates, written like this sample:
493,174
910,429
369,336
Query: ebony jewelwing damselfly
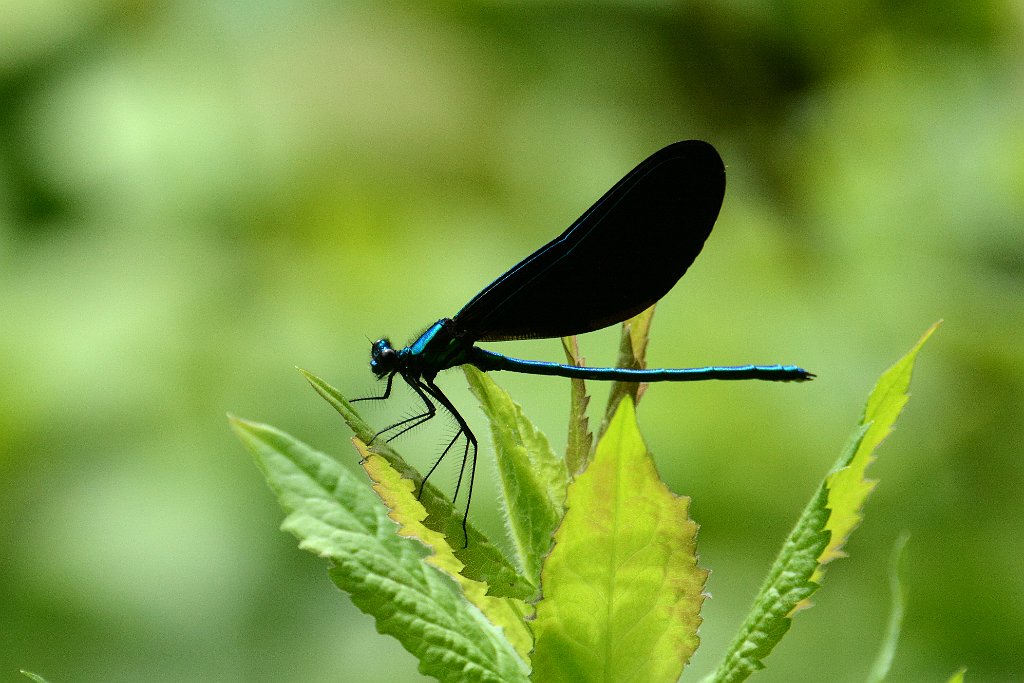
651,224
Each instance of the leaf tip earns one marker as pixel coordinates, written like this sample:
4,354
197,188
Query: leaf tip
239,424
927,334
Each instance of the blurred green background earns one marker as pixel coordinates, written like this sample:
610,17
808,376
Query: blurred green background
198,195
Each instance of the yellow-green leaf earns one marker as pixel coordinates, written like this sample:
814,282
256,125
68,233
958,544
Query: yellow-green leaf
847,485
632,354
825,523
580,439
483,560
407,511
958,677
622,589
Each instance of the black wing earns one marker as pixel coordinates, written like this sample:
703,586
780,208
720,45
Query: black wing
621,256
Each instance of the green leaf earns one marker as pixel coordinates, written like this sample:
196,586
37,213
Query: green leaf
622,589
581,439
632,354
887,651
822,528
35,677
533,478
483,561
788,583
958,677
338,517
408,512
848,487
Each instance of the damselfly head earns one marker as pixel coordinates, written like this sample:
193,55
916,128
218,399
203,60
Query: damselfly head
383,357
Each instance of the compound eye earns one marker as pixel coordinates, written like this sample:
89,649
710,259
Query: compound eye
383,357
379,348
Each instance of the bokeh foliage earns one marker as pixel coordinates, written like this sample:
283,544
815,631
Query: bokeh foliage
197,196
